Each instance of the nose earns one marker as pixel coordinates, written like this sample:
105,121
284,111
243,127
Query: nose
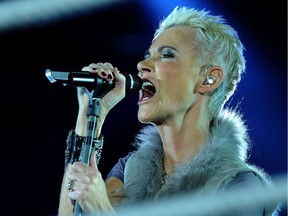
143,67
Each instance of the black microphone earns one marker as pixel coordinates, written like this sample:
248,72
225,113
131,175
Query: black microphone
92,81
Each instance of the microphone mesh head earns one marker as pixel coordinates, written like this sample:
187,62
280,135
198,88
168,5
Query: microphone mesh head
133,83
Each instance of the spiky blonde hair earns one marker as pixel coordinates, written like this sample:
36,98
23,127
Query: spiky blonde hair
217,43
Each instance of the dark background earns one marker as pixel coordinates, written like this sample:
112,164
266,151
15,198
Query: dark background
37,115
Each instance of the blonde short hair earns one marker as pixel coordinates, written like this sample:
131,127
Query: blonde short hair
217,43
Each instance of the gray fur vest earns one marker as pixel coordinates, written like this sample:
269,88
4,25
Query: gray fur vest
222,156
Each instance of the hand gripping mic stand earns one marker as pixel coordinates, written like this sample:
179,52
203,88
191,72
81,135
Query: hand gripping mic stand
93,113
99,88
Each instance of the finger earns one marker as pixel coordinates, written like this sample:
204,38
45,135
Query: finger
72,177
74,185
94,166
118,76
93,68
86,68
78,178
104,70
96,68
70,185
79,167
117,73
76,195
106,66
100,67
109,65
93,163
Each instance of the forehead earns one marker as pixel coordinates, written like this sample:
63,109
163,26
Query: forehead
176,36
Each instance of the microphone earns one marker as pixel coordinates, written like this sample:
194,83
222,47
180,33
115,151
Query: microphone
92,81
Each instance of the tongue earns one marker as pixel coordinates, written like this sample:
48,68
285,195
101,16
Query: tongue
146,94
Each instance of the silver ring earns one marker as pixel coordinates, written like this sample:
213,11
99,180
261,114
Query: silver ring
70,185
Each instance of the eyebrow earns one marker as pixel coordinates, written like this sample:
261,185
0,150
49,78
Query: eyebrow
163,47
159,49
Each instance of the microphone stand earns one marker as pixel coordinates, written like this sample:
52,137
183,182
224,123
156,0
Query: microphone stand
93,113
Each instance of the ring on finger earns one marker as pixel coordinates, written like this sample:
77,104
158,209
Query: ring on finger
70,185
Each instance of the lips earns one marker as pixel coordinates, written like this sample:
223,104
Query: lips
147,90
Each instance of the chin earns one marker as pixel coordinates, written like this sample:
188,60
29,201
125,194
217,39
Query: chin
143,120
144,117
148,118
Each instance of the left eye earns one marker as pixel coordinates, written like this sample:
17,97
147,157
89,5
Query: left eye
167,55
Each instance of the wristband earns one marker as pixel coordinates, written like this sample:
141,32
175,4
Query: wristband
75,145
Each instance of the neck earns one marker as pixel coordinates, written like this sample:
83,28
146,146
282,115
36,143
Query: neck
181,141
180,148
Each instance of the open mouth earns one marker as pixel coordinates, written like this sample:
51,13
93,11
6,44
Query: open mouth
147,91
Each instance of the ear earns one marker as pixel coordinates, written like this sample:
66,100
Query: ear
210,80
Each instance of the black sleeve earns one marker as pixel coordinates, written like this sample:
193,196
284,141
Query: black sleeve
118,169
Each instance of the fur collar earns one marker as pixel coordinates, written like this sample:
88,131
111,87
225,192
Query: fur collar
222,156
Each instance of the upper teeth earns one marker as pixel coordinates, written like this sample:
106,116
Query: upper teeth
146,83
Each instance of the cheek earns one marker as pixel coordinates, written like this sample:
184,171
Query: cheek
178,85
174,73
179,94
167,71
175,81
